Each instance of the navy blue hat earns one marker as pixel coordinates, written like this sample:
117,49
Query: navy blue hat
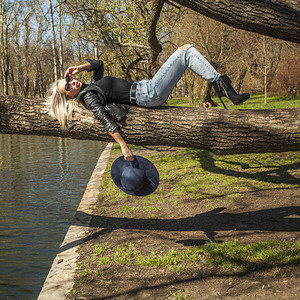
136,178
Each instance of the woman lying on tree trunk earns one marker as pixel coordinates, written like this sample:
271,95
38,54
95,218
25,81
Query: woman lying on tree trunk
109,98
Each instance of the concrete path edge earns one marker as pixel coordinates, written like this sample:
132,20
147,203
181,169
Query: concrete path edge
60,278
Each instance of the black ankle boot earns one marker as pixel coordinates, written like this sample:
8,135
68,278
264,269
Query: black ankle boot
224,88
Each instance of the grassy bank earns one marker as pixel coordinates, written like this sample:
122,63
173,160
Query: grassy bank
216,226
199,175
255,102
210,216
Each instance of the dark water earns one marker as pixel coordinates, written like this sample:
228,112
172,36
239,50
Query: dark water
42,180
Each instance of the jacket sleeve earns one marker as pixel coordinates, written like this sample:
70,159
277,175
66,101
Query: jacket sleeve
93,103
97,68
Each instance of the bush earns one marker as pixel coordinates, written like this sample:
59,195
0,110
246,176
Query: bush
287,79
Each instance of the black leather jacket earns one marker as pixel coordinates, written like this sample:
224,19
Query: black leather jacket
94,99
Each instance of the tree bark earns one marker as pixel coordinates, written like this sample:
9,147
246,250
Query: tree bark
275,18
3,47
55,62
240,78
151,29
216,130
60,41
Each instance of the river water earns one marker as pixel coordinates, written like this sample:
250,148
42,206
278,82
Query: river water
42,180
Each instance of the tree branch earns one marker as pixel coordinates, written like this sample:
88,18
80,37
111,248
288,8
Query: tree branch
216,130
275,18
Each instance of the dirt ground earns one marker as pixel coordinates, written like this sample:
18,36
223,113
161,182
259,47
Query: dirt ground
261,215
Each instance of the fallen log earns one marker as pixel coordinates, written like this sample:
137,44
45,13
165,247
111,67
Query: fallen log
217,130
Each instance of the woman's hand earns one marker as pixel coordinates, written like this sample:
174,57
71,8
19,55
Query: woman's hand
71,71
128,155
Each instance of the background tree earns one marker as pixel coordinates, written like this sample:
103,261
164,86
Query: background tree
265,58
223,46
123,33
55,60
12,16
60,39
126,29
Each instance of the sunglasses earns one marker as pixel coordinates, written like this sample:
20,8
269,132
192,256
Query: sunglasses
68,86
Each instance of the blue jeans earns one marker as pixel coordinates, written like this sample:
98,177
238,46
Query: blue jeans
155,92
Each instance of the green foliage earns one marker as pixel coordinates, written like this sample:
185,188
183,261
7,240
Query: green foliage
120,29
124,254
182,295
104,261
86,272
98,250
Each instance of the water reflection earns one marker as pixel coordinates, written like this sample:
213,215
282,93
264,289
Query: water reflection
42,180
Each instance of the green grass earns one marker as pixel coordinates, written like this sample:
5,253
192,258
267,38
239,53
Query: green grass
200,176
254,255
225,256
256,101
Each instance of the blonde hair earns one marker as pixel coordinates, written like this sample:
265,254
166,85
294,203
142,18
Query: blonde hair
60,107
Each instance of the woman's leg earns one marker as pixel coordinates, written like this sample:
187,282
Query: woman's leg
156,91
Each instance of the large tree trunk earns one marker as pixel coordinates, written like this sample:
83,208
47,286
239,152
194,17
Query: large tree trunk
151,29
217,130
276,18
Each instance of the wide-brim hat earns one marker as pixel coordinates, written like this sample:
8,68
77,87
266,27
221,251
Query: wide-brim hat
137,178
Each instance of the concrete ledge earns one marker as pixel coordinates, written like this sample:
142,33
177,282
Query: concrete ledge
60,279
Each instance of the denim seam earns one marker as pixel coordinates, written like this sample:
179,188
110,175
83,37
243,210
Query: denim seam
166,71
208,66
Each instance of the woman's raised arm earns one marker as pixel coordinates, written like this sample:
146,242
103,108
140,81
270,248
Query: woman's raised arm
71,71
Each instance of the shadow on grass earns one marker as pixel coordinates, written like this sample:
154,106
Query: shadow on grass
277,174
282,219
278,219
